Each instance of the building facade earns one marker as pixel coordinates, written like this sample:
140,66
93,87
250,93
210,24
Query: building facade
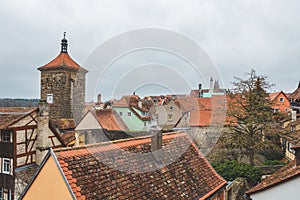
23,143
63,86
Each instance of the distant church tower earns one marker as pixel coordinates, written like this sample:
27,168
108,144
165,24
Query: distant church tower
63,86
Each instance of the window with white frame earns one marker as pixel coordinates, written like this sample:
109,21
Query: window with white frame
6,165
170,117
5,194
290,148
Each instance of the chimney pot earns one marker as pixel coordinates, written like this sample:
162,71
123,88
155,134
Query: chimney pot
156,143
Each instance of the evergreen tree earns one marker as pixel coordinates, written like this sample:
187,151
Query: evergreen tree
250,109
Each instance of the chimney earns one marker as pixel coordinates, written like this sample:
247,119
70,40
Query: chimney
140,103
42,143
99,98
296,148
156,143
76,140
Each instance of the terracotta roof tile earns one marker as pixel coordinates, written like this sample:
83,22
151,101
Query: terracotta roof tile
109,119
273,95
10,115
63,123
296,94
282,175
190,176
63,60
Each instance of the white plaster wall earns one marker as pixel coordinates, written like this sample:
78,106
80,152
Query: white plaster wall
26,120
288,190
88,122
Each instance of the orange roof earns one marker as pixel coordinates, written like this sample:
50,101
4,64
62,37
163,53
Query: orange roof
110,120
296,93
273,95
92,171
63,60
282,175
10,115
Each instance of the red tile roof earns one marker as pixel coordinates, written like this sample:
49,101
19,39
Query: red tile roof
63,60
273,95
110,120
63,124
10,115
90,174
205,111
123,102
296,94
284,174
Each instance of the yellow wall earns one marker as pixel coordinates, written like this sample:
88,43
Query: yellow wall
49,184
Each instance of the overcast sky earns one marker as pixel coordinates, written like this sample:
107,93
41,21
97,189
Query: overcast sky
237,35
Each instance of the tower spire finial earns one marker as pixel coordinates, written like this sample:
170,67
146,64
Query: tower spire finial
64,44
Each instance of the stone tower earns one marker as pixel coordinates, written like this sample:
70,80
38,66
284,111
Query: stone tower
63,86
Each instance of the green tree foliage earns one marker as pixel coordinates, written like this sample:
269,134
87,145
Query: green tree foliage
231,170
274,162
253,120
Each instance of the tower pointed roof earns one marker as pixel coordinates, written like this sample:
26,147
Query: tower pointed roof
63,60
296,93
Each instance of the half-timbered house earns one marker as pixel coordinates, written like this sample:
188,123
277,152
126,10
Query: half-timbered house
21,147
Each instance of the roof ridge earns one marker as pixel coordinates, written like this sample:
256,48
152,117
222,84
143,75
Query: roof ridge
122,143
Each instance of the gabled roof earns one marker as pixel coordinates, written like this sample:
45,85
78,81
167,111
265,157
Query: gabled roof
90,174
63,61
296,93
11,115
274,95
110,120
124,101
284,174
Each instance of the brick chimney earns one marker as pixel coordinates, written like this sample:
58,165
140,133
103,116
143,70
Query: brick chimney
156,143
296,148
42,143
